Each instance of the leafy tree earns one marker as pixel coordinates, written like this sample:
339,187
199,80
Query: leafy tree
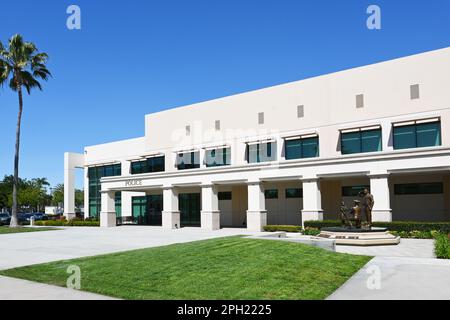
32,194
58,196
22,65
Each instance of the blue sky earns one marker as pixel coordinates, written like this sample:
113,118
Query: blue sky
135,57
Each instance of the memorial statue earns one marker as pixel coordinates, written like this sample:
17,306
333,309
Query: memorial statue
344,216
356,212
351,217
367,205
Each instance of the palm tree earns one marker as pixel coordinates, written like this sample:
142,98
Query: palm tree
22,65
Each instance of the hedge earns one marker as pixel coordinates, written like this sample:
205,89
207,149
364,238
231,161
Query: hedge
400,226
442,246
70,223
283,228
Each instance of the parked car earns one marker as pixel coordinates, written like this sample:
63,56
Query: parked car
5,219
38,216
24,218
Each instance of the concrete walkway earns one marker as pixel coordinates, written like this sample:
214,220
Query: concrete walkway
17,289
405,272
23,249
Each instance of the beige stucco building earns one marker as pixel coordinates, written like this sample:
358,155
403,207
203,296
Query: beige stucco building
284,154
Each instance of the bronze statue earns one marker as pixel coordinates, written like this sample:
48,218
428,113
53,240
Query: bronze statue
344,215
367,206
351,217
356,212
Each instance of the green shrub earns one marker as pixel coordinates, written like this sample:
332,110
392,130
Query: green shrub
283,228
71,223
400,226
51,223
89,223
442,246
311,231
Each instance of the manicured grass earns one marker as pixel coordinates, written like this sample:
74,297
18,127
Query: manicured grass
8,230
225,268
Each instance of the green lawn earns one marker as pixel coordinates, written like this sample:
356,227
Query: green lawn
225,268
8,230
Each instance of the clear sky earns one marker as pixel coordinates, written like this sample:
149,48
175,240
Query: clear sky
139,56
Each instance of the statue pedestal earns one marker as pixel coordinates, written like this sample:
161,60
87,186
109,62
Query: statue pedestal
360,237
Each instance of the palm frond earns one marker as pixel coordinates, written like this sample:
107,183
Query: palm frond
29,82
22,64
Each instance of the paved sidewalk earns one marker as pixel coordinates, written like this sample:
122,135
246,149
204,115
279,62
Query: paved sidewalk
17,289
414,248
401,279
23,249
408,271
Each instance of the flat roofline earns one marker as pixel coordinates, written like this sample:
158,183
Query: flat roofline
114,142
202,102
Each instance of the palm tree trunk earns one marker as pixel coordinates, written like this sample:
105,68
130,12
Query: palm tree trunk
14,220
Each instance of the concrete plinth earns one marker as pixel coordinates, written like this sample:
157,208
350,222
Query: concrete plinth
354,237
171,219
107,219
256,220
210,220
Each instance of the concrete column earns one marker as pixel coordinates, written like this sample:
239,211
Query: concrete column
256,213
379,188
71,162
108,211
210,215
69,193
171,213
312,200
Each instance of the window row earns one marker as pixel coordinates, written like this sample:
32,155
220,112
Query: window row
405,135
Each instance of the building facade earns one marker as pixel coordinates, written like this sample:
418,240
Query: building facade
284,154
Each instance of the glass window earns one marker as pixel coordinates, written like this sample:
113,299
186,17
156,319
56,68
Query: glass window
302,148
271,194
156,164
253,156
293,193
353,191
94,175
351,143
404,137
361,141
218,157
225,195
371,141
418,135
428,134
136,167
190,160
310,147
109,171
293,149
118,203
419,188
262,152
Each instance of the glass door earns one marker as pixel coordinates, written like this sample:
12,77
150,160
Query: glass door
154,210
189,205
139,209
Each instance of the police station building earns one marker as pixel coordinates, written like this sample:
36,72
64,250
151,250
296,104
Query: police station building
284,154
